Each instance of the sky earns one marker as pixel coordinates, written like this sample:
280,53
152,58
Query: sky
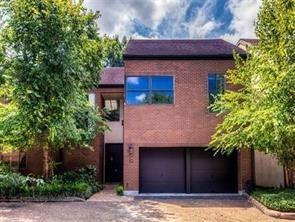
177,19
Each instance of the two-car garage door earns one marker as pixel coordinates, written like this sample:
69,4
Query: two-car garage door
186,170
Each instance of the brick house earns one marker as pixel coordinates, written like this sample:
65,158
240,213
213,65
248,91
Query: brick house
160,121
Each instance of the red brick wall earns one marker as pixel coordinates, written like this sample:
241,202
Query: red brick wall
187,123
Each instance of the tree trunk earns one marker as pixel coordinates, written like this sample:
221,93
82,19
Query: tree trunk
45,163
289,177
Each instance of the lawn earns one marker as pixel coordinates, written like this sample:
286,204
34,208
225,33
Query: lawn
276,199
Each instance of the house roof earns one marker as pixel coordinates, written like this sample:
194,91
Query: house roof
181,49
113,76
250,41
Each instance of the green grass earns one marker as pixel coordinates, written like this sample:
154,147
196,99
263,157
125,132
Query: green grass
276,199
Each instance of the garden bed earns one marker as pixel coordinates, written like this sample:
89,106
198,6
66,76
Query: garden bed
275,199
70,186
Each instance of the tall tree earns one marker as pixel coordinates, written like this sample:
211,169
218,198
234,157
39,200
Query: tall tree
261,114
50,56
114,50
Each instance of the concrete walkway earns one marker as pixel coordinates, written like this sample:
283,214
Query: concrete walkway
108,194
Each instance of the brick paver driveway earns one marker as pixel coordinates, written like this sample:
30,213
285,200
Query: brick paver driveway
124,209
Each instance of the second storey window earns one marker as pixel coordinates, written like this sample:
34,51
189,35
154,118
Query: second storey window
113,110
149,90
216,86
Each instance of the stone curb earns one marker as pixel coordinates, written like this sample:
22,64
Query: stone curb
269,212
30,199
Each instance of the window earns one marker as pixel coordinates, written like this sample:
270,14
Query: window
216,85
112,110
150,90
91,99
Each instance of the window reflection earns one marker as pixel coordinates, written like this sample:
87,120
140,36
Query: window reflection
149,90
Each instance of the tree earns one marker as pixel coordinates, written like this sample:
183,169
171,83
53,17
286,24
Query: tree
114,50
50,56
261,114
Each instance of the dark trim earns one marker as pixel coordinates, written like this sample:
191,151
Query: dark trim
181,57
111,86
188,170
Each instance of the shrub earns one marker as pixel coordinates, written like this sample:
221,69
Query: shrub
85,174
11,184
4,168
80,183
120,190
276,199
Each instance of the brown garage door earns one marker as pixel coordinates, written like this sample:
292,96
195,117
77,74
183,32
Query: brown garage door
186,170
213,174
162,170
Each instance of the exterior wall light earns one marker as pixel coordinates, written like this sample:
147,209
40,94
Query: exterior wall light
130,149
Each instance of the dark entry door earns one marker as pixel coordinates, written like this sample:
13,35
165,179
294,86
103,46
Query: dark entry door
114,163
213,174
162,170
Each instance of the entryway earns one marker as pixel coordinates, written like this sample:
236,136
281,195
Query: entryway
186,170
114,163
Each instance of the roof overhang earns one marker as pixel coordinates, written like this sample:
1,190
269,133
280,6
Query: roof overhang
180,57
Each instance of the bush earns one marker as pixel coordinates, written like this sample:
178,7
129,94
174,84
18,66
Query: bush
276,199
80,183
11,184
4,168
120,190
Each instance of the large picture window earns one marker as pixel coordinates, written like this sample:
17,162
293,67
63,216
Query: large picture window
216,85
149,90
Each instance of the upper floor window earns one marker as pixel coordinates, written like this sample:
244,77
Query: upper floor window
149,90
112,110
216,85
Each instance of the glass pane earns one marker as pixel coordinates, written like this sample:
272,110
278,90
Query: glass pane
212,84
137,83
162,83
220,84
163,97
112,110
137,97
112,104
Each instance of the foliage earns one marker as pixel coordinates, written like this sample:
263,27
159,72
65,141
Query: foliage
11,184
120,190
80,183
50,56
261,113
4,168
276,199
87,174
114,50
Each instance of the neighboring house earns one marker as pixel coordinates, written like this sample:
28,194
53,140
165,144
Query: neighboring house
160,121
268,172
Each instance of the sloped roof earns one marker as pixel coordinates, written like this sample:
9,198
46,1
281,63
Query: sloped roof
197,49
112,76
250,41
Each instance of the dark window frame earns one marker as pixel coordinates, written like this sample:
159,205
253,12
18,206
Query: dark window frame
150,90
220,76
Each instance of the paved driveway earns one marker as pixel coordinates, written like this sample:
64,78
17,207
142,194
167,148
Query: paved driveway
127,209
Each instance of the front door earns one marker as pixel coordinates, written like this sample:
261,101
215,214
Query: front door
113,163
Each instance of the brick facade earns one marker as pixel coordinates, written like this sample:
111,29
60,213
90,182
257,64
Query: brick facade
186,123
